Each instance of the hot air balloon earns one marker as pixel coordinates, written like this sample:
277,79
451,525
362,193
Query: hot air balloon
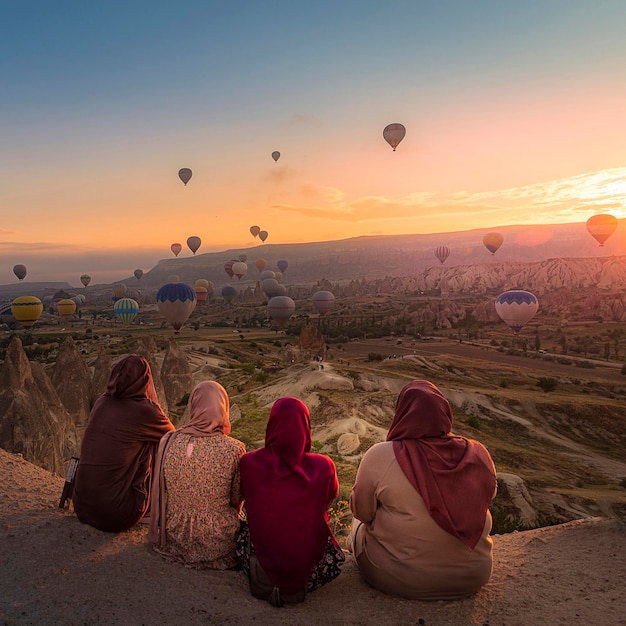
601,227
119,290
267,274
126,310
278,276
280,309
173,278
194,243
516,308
282,265
394,134
228,293
6,315
185,174
66,308
275,155
239,269
270,287
85,279
263,235
260,264
228,268
176,248
323,301
442,253
20,271
78,300
176,301
202,282
254,230
26,310
493,241
202,294
243,257
138,274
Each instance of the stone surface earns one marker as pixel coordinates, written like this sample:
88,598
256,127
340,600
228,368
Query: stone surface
72,380
176,374
33,420
348,443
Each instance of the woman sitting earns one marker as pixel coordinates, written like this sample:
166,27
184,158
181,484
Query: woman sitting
420,502
290,548
112,484
196,498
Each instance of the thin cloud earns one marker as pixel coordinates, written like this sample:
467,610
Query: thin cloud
304,119
557,201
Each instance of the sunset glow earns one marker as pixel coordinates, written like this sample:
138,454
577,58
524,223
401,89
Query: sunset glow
514,115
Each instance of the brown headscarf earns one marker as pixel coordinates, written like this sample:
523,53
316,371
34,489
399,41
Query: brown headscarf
131,378
455,476
209,408
113,479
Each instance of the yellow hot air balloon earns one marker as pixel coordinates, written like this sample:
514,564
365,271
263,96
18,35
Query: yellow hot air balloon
66,308
202,282
601,227
26,310
493,241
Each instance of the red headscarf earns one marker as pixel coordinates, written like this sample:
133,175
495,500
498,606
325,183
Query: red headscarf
287,491
455,476
209,409
131,378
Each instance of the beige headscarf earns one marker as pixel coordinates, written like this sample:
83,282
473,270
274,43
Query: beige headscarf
209,409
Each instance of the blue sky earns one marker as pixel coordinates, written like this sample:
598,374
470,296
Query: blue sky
102,103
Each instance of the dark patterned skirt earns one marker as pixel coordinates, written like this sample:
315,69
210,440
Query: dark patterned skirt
328,568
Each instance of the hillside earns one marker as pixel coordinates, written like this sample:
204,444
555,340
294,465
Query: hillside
51,564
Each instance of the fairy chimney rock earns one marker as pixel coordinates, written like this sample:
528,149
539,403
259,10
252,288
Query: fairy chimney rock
176,374
101,374
33,420
72,380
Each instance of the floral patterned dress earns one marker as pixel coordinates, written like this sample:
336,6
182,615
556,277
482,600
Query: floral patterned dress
203,497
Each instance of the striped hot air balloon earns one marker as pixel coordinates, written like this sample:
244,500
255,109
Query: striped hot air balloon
202,294
126,310
323,301
66,308
442,253
27,310
280,309
516,308
176,301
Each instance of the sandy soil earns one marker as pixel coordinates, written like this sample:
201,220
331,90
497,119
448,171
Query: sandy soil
55,570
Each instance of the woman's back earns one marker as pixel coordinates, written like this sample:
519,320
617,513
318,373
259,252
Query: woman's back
400,549
203,499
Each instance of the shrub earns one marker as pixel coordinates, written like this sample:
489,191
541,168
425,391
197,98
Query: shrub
353,375
504,383
474,422
547,384
184,400
586,364
262,377
374,356
623,370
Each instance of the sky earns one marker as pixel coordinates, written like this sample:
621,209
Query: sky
514,114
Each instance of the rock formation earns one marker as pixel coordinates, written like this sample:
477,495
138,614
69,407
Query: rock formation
176,374
33,420
312,342
101,374
147,348
72,380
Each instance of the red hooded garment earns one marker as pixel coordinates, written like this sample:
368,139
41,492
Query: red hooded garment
112,484
455,476
287,491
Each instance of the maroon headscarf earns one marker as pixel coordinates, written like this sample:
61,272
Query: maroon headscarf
455,476
287,491
209,409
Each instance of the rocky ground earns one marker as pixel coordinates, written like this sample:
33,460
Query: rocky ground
55,570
